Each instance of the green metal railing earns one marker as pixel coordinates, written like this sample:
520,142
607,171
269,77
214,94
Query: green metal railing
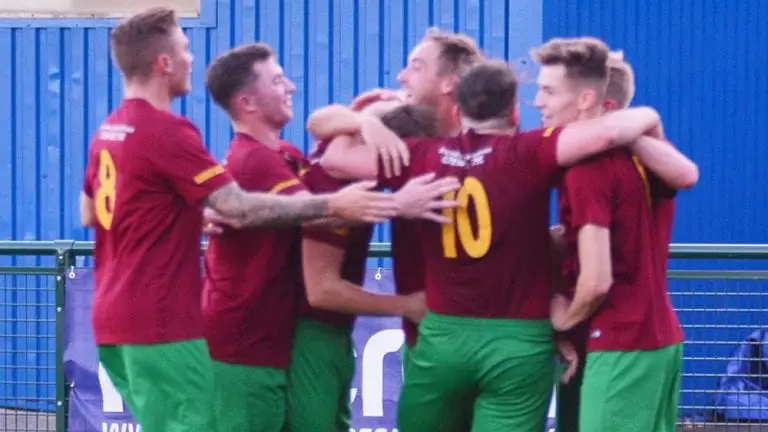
35,270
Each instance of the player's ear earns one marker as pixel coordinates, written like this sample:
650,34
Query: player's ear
587,99
609,105
164,63
449,84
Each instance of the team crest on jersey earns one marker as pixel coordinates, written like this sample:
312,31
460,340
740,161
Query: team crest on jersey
114,132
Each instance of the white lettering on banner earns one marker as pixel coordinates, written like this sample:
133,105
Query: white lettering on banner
120,427
372,430
111,402
372,377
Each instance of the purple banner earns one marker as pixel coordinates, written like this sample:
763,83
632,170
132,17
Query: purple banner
96,406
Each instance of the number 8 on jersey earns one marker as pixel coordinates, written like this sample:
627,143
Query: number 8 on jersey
104,200
474,245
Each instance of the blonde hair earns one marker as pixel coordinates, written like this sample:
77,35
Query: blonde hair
584,58
621,80
458,52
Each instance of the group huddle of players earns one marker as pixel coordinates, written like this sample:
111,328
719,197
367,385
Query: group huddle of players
490,296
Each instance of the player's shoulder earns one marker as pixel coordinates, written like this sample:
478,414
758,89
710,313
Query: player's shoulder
247,154
535,136
605,165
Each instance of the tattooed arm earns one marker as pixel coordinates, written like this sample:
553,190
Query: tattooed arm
353,203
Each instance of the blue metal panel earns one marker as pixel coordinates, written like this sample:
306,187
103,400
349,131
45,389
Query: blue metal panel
60,82
702,64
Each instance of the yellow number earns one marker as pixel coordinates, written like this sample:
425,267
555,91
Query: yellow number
105,194
476,246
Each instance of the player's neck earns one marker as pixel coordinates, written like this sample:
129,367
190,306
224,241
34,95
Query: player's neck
591,113
259,131
489,127
152,91
448,119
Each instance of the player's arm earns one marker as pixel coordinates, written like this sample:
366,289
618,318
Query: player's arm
586,138
182,159
326,289
87,215
595,276
668,163
590,191
359,158
333,120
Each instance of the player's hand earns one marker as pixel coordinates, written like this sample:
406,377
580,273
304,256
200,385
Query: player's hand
214,223
421,196
386,144
372,96
568,356
559,312
416,307
358,203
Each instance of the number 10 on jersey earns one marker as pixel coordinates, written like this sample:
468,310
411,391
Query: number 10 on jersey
475,245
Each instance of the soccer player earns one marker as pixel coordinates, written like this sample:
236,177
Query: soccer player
607,206
147,179
618,95
322,361
487,339
253,276
429,80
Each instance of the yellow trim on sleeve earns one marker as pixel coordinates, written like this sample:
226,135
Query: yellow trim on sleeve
283,185
208,174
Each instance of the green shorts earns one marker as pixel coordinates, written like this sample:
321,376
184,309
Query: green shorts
167,387
320,378
249,398
635,391
497,374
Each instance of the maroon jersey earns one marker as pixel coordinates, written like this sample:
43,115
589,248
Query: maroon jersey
408,265
494,260
609,191
148,174
254,275
353,240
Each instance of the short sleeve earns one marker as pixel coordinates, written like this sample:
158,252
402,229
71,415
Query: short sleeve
317,180
263,170
181,157
546,155
90,174
538,150
590,193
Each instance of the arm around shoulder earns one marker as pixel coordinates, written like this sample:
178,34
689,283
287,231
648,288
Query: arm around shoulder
586,138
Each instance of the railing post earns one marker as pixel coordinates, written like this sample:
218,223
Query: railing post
65,265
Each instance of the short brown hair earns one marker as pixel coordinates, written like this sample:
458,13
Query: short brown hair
233,71
621,80
584,58
488,91
458,52
411,121
138,40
